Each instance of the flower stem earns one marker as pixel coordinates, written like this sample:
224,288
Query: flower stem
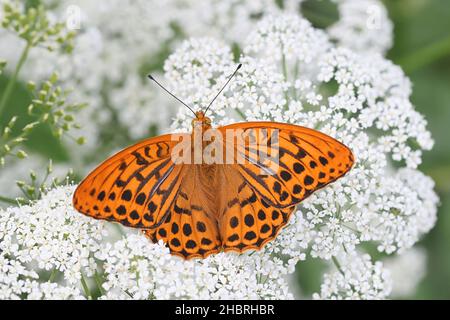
240,113
285,74
53,275
98,281
337,264
86,290
13,79
8,200
425,56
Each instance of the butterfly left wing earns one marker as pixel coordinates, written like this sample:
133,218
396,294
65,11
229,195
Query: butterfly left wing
135,187
301,161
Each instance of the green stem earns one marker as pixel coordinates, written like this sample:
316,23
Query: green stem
13,79
425,56
8,200
128,293
338,265
53,275
240,113
86,290
285,74
98,281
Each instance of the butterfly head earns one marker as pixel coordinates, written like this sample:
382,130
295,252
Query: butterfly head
201,121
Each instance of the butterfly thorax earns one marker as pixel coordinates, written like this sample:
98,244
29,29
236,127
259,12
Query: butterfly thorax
201,122
200,125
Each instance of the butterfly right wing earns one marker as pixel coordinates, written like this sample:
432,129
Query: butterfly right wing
302,160
135,187
246,220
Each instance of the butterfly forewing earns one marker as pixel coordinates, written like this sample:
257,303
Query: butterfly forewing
307,161
135,187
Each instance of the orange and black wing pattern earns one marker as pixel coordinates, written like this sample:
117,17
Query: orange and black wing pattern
191,230
136,187
246,221
306,160
199,209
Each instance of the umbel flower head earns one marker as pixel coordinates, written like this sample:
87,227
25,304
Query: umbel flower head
49,251
116,90
291,73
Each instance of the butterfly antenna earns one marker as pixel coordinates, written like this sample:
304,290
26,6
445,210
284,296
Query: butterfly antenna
218,94
179,100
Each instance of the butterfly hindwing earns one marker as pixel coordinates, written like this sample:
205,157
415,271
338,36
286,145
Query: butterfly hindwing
191,229
246,221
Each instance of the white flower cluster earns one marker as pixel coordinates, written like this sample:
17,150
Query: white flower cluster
357,277
48,249
47,240
130,40
363,26
137,269
407,270
292,73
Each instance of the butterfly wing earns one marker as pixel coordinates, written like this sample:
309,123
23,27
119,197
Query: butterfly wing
307,160
135,187
259,194
198,210
191,230
246,220
217,211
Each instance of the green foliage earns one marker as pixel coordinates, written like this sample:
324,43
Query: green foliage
33,25
35,187
2,65
50,106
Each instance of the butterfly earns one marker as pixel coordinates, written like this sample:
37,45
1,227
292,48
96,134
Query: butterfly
198,209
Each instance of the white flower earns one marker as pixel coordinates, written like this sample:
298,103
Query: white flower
137,269
356,277
369,111
406,209
49,236
407,270
363,25
291,73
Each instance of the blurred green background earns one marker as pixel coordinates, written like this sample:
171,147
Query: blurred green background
422,48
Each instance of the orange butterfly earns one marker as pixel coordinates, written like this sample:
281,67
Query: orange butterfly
198,209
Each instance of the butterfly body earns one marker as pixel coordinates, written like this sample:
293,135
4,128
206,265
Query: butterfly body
203,207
